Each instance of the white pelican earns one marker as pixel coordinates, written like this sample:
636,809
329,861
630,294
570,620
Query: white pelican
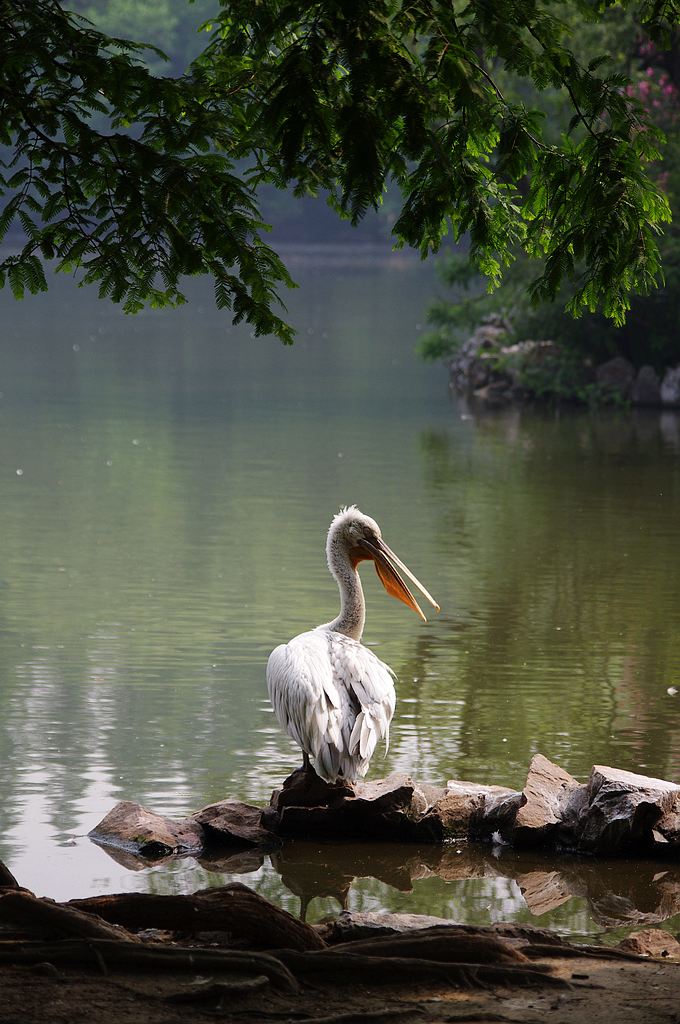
330,693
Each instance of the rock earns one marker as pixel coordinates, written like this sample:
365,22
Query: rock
465,801
306,789
667,828
651,942
549,803
478,373
391,808
534,352
427,797
472,367
624,810
616,812
646,388
133,828
670,387
616,376
495,818
496,392
233,822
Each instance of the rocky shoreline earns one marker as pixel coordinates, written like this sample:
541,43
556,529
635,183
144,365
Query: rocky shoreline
613,813
496,372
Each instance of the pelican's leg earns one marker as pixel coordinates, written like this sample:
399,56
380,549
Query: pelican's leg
306,766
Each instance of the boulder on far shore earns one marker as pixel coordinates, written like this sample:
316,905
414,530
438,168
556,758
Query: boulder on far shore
646,388
616,376
670,388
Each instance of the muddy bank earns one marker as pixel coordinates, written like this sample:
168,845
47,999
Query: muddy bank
228,952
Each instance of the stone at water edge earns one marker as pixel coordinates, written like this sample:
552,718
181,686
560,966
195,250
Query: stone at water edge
494,819
133,828
304,788
615,812
550,804
616,376
625,810
471,806
382,809
670,388
233,822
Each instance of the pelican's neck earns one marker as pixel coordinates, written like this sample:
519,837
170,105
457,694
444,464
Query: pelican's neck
352,615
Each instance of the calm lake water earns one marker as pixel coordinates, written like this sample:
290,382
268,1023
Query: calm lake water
166,483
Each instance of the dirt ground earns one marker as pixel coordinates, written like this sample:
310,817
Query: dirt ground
598,992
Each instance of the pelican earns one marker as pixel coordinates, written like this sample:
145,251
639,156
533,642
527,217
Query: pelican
329,692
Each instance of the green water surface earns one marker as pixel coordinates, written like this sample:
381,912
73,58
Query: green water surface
166,483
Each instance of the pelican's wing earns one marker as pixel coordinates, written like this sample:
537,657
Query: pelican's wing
367,684
306,699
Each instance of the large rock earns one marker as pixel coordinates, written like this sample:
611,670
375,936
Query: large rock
670,387
550,805
393,808
494,819
472,367
627,813
133,828
231,822
616,376
646,388
467,800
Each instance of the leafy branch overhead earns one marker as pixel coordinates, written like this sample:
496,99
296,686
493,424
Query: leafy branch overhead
131,180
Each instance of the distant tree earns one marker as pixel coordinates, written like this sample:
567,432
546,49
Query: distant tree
171,25
132,180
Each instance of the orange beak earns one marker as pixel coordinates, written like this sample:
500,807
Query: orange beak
387,566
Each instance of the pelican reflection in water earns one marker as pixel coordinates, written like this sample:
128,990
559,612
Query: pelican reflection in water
330,693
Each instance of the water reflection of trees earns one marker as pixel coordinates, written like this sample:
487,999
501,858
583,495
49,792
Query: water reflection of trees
562,549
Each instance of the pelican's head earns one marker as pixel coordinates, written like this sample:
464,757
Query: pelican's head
357,536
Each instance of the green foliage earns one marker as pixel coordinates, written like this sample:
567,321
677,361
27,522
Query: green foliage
136,205
652,325
130,179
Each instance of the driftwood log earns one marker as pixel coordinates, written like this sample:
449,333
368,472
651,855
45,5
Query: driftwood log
614,813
